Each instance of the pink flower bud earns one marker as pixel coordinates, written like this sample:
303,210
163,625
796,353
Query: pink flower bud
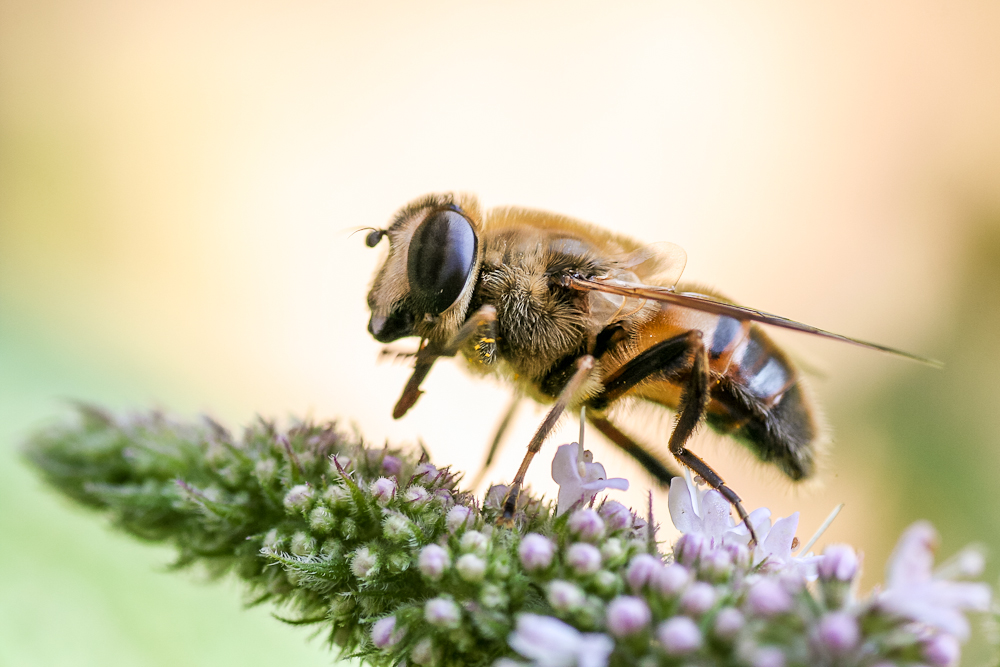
671,580
679,636
739,553
433,561
384,633
565,596
768,598
839,563
728,623
641,571
583,558
942,650
471,567
363,563
391,465
417,495
536,552
475,542
690,547
616,515
444,497
458,516
383,489
586,524
839,633
298,497
716,565
627,615
698,598
427,471
443,613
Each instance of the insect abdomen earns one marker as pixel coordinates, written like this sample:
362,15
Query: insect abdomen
756,396
759,400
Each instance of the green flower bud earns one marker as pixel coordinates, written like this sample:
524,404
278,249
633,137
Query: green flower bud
322,520
302,544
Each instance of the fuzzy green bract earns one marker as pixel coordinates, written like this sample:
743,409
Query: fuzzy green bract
395,564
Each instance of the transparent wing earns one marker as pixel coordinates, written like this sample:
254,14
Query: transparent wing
662,263
709,305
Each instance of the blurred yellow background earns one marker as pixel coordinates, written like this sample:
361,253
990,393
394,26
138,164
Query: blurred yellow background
179,181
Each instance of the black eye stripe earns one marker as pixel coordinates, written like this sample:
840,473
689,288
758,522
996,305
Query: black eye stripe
440,258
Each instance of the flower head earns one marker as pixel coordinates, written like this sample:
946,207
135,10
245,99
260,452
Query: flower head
579,479
913,592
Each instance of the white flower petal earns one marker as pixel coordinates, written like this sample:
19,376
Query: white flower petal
547,641
594,650
564,464
594,472
569,495
778,543
960,594
912,560
944,618
760,519
681,507
715,514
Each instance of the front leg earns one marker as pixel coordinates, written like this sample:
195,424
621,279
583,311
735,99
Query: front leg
428,354
584,365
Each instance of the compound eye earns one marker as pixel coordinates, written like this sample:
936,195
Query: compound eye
439,260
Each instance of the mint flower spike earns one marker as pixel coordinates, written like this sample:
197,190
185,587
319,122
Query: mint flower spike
579,478
396,565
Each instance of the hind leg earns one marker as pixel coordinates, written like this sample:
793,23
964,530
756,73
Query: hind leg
642,455
671,356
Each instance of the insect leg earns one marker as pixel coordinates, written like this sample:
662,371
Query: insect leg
645,458
691,412
666,358
584,365
498,437
427,355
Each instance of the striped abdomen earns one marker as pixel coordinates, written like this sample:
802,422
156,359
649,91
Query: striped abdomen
756,395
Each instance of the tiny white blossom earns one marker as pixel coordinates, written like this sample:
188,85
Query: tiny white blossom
915,593
548,642
705,513
580,480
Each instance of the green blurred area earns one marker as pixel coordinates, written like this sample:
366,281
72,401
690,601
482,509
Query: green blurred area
942,427
939,431
74,593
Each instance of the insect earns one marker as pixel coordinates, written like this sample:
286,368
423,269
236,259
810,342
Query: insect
582,317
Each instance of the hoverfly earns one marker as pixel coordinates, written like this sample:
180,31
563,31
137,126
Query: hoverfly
582,317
